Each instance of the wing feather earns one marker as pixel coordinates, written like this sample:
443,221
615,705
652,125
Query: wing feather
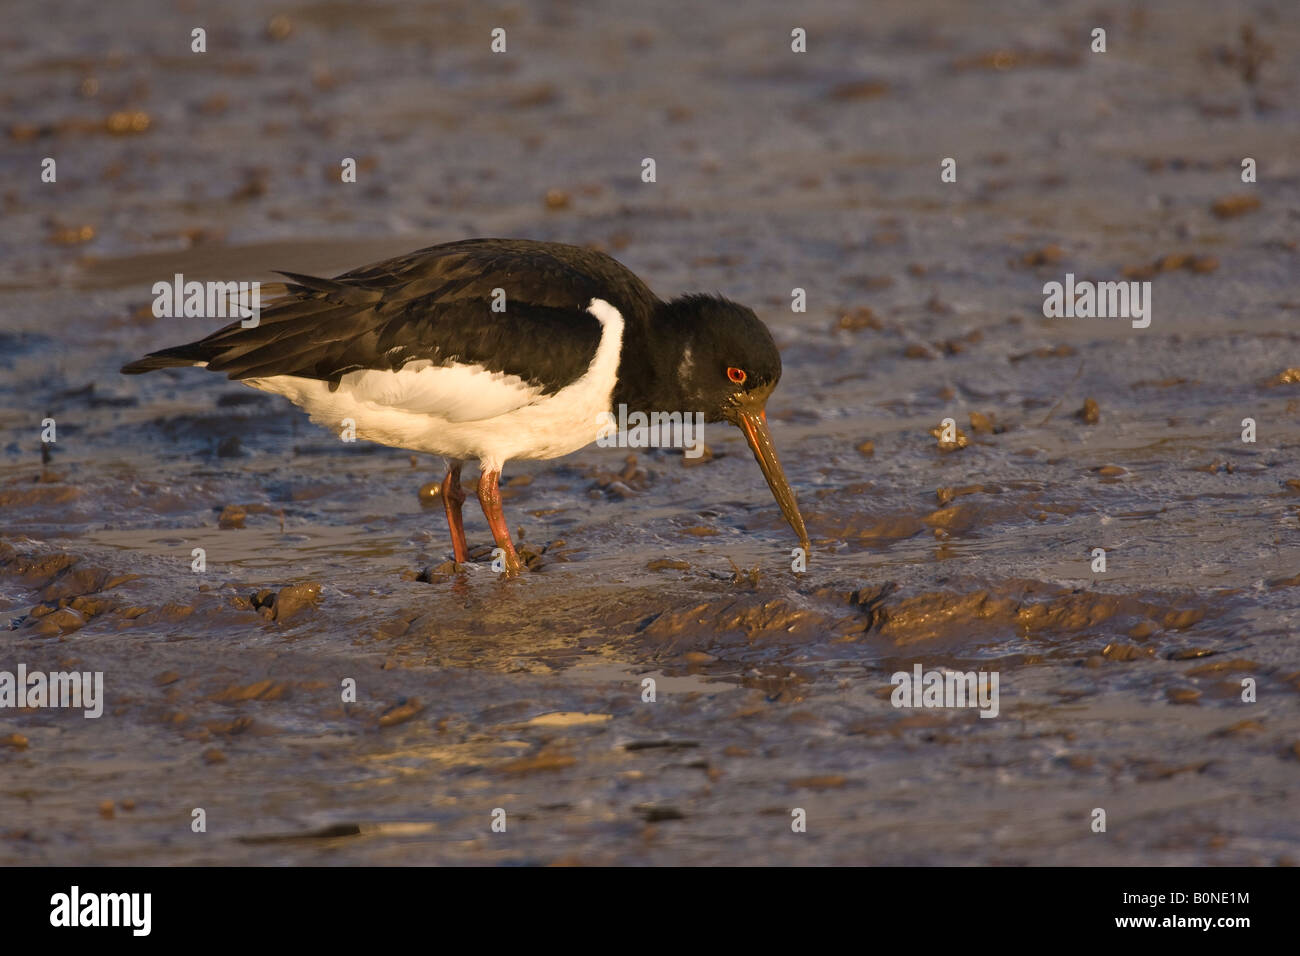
433,306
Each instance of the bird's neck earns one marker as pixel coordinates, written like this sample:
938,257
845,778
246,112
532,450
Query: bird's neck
651,365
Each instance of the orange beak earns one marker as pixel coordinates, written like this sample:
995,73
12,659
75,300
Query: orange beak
754,425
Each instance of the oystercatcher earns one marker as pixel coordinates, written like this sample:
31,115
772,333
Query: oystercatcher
495,349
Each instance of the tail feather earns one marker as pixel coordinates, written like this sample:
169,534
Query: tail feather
339,292
302,329
192,354
231,341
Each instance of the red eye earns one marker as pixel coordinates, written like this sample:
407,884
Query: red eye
737,375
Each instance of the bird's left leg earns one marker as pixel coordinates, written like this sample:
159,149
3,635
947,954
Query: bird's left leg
452,499
489,496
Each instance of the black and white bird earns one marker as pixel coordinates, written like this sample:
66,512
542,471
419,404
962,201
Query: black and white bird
412,352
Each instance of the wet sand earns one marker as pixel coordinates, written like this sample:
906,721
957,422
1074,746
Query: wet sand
1119,690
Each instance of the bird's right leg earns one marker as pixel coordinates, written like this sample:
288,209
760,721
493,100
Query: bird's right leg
452,499
489,496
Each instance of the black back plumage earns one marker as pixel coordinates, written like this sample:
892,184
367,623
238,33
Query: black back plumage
435,304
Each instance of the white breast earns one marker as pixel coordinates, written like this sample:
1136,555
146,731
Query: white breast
466,411
454,393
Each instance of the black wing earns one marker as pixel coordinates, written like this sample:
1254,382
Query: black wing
433,304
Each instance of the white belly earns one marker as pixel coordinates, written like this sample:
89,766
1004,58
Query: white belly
466,411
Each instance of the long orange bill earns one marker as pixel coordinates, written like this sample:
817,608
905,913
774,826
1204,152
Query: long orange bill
754,425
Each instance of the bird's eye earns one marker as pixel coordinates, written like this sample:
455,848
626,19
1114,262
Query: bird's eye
737,375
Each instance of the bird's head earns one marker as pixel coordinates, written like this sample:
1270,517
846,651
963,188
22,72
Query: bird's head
727,368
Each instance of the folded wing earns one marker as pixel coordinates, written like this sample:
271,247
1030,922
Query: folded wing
464,330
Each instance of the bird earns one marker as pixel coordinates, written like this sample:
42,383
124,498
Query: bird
495,350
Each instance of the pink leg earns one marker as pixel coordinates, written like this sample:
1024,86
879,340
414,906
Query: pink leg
490,498
452,499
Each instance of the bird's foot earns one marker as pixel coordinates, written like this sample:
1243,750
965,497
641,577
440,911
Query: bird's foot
505,560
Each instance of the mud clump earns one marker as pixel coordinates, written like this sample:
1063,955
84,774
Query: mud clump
858,90
1032,609
260,690
287,603
946,495
668,564
68,590
954,519
34,571
75,583
753,618
1229,207
1125,652
37,494
532,559
856,320
435,573
1002,60
955,442
1056,351
400,712
627,483
233,515
1047,256
705,456
1173,262
60,622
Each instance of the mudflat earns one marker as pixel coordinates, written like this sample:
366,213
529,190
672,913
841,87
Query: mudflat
1164,689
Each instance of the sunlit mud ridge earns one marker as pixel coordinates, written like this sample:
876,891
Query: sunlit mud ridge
742,621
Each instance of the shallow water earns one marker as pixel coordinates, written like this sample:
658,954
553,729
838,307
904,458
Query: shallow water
1119,690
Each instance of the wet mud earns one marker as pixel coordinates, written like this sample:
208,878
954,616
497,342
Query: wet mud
971,548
